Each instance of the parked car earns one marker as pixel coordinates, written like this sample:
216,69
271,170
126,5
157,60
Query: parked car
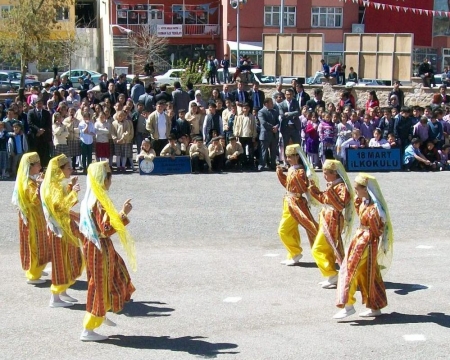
169,77
371,82
10,79
255,75
77,73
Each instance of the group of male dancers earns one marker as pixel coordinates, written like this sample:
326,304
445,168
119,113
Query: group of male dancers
370,249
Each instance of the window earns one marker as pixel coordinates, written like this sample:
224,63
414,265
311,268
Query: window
193,14
272,16
4,9
85,14
329,17
139,14
62,14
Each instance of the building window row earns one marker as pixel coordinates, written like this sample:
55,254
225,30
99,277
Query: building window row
324,17
272,16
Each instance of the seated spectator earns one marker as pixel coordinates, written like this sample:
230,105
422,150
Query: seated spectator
147,152
234,154
216,154
185,144
426,72
172,148
420,130
432,155
444,154
413,159
352,75
392,141
377,141
199,154
353,143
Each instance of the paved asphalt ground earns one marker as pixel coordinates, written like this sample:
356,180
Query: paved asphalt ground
210,284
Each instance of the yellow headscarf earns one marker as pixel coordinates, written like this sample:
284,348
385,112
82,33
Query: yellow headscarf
337,166
385,247
57,201
19,197
95,191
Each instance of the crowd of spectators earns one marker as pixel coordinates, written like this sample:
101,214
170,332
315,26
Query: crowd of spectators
235,130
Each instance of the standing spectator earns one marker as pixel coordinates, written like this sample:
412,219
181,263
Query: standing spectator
302,96
122,135
199,154
139,119
398,92
137,89
245,129
17,146
4,159
73,138
268,118
180,98
103,83
191,90
327,136
372,100
420,130
352,76
60,134
387,123
102,137
426,72
183,126
111,94
121,85
367,127
199,99
225,63
193,116
158,125
225,94
240,95
213,70
87,134
40,123
213,122
256,97
148,99
403,127
435,132
278,91
163,95
289,112
149,69
317,101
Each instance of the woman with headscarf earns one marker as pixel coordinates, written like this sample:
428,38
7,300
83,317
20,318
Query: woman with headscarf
34,245
59,194
369,254
295,205
109,283
335,218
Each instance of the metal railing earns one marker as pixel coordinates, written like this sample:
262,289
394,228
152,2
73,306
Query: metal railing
188,29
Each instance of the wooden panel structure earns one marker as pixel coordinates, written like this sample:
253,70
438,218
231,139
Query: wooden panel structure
379,56
296,55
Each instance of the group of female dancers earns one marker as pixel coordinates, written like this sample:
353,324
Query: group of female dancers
50,231
369,252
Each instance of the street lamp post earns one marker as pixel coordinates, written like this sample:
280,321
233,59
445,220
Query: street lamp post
237,5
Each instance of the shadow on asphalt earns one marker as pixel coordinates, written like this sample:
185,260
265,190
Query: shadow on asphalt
188,344
440,319
404,289
145,309
80,285
306,264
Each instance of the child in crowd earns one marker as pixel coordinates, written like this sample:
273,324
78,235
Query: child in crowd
102,137
313,140
87,135
366,128
413,159
122,135
353,143
386,123
216,154
3,151
199,154
234,154
60,134
392,141
420,130
73,138
444,154
344,132
432,155
17,146
327,135
172,148
147,152
377,141
185,144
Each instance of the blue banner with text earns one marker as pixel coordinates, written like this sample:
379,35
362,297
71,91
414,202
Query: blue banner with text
165,166
373,159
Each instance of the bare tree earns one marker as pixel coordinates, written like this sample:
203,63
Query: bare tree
146,47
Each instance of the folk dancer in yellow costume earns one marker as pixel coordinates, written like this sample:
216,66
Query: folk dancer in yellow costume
369,254
59,194
295,204
109,283
34,245
329,246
